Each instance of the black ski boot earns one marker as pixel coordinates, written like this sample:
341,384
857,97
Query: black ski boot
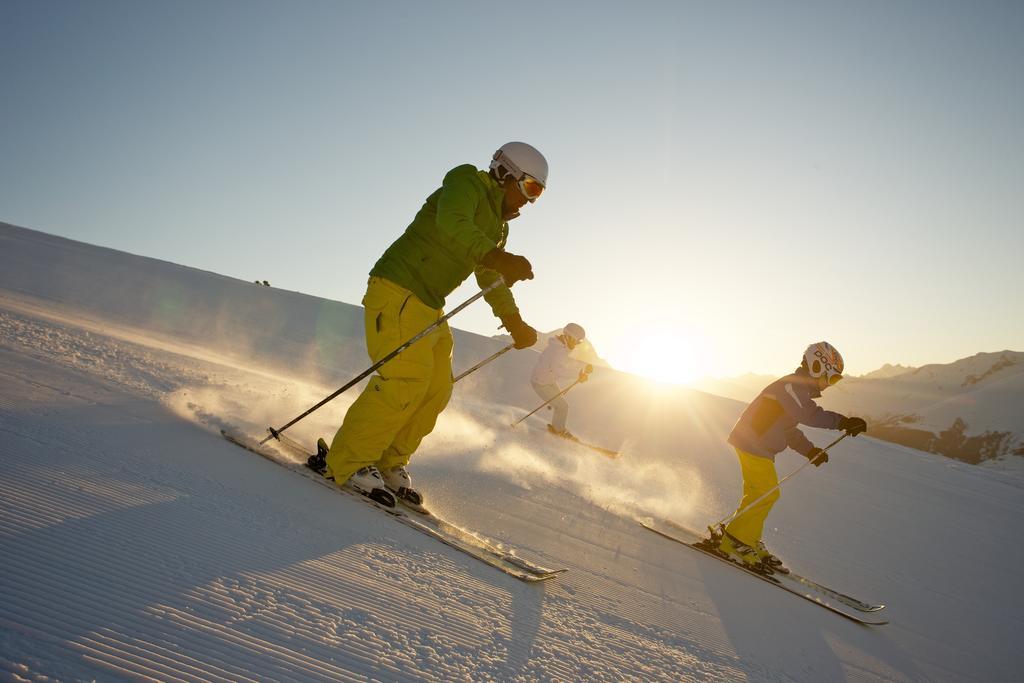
318,462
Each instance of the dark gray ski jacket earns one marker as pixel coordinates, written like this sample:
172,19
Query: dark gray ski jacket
768,425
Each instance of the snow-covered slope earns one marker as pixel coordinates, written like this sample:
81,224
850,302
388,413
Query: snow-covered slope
971,410
135,544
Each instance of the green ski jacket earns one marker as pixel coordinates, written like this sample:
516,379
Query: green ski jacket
457,225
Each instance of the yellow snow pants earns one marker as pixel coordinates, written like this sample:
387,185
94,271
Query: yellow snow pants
758,476
400,404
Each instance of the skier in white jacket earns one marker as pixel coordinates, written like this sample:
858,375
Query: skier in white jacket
555,364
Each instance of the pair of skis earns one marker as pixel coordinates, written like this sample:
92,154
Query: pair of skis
812,591
468,542
607,452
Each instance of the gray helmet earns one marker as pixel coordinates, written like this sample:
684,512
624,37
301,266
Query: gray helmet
517,158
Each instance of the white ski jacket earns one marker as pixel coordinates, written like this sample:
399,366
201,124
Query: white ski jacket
555,364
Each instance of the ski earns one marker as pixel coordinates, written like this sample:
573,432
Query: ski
847,600
607,452
573,439
798,586
445,526
429,524
790,575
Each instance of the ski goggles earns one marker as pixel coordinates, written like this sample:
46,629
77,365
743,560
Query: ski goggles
833,379
530,187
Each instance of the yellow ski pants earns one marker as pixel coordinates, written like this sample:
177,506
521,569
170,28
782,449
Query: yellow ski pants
400,404
758,476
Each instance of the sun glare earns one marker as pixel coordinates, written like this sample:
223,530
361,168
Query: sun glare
662,356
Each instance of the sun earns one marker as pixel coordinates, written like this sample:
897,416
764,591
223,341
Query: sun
662,356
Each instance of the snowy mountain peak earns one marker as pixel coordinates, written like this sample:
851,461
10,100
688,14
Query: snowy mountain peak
1006,360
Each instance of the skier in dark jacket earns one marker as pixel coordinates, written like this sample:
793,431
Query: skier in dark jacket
767,427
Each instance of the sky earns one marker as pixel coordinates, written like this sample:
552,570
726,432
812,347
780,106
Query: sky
729,181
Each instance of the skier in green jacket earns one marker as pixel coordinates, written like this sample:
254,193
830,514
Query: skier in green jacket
461,229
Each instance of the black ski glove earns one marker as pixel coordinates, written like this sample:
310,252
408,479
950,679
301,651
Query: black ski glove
817,453
853,425
511,267
523,335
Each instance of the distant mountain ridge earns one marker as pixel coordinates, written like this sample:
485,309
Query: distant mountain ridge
971,409
887,371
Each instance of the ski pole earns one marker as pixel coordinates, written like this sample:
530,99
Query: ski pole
774,488
561,393
370,370
484,362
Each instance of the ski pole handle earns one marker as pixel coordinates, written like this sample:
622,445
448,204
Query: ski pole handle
274,433
484,362
777,486
561,393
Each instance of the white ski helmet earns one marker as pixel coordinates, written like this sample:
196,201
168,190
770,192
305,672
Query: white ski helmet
823,359
518,158
575,331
